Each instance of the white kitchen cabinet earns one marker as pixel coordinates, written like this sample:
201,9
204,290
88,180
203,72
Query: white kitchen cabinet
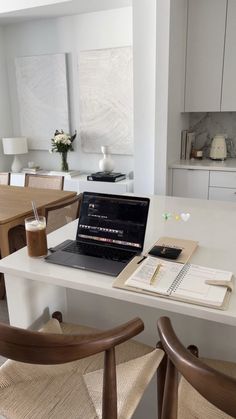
205,55
222,186
222,194
206,179
222,179
190,183
229,85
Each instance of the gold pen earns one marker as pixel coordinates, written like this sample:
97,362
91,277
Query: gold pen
155,273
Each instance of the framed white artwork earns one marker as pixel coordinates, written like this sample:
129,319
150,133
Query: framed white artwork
106,100
42,98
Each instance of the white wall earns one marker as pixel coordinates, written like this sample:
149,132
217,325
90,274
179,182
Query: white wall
159,73
5,119
176,82
106,29
162,79
144,46
12,5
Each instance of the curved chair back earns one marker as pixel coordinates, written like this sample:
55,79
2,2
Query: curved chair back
44,181
48,349
61,214
216,387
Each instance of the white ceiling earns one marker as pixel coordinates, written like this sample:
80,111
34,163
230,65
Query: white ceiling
61,9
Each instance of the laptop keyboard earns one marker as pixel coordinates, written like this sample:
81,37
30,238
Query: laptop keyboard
99,251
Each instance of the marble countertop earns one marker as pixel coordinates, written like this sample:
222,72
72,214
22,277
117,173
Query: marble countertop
205,164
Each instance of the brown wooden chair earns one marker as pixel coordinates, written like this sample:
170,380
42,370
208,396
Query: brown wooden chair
61,214
44,181
83,373
4,178
207,387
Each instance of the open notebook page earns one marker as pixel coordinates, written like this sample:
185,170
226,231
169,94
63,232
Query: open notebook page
193,286
167,273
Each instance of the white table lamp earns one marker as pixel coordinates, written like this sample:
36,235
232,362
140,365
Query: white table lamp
15,146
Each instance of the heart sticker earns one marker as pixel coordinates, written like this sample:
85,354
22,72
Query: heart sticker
185,216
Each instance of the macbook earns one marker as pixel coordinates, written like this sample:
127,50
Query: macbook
111,231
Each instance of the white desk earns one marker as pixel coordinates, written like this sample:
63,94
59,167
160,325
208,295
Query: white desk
33,285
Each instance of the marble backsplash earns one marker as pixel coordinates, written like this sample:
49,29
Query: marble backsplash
206,125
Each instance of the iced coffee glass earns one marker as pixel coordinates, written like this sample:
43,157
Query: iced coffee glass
36,238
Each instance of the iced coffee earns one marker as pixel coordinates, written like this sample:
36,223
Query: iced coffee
36,236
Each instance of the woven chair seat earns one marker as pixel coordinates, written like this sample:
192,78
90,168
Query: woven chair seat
192,405
74,390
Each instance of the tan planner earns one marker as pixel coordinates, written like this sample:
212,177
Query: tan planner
188,283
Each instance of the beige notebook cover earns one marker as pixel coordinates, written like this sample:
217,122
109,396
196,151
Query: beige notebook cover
187,246
131,268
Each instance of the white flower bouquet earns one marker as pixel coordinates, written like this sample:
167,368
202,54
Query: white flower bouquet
62,142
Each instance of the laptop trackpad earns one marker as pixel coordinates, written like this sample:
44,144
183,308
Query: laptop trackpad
90,263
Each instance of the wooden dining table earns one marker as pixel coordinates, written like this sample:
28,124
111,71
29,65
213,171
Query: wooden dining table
16,205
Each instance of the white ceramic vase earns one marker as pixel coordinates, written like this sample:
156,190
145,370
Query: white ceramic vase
106,164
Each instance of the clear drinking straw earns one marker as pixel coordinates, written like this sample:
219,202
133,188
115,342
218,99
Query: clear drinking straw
35,211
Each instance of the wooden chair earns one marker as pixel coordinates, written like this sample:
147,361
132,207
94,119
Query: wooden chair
207,388
61,214
4,178
83,373
44,181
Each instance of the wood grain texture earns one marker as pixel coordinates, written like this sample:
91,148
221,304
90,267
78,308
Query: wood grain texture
215,386
16,206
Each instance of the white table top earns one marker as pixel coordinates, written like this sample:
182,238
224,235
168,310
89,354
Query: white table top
228,165
211,223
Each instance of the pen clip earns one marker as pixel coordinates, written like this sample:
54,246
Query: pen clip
141,260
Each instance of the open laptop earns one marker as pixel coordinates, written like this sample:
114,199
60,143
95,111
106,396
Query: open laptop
111,231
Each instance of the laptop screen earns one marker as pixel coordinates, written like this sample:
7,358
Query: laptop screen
114,220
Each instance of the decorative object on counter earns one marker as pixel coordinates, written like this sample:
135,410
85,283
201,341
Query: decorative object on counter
218,149
197,154
106,164
183,144
106,177
15,146
187,142
62,143
32,170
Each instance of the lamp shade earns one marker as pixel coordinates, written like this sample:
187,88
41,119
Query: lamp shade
15,145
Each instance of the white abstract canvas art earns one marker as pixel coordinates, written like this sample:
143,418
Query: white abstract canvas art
106,100
42,98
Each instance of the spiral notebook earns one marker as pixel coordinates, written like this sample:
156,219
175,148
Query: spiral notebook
190,283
